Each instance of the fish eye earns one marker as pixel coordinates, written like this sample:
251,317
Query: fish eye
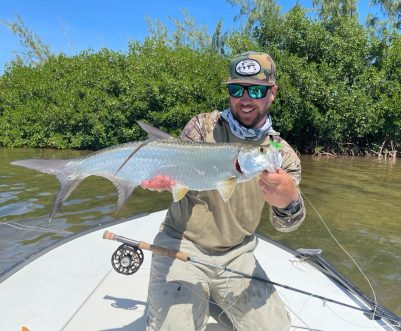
261,149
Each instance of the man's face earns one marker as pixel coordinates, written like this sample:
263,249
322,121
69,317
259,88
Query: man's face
249,112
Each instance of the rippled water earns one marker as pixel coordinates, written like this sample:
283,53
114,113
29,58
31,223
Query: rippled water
358,198
360,201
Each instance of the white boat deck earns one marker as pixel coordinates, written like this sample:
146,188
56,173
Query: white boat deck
74,287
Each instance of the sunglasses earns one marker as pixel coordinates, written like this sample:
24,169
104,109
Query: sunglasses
254,91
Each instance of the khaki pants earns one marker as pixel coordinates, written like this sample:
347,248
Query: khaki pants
179,292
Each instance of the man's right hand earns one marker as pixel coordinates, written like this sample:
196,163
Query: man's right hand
158,183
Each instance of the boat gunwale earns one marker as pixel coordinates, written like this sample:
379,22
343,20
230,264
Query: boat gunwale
9,272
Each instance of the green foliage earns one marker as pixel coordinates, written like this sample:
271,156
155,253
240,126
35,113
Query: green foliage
339,84
175,84
92,100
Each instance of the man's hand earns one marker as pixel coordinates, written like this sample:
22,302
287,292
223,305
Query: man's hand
158,183
278,188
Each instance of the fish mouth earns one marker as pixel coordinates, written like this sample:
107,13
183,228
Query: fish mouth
237,167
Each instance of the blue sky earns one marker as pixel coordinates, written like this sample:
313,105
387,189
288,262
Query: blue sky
72,26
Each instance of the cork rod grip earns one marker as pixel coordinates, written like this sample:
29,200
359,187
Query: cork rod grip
163,251
147,247
109,235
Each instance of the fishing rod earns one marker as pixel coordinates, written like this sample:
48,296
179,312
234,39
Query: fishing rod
128,258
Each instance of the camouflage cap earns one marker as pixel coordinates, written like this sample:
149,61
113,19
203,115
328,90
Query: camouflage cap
252,68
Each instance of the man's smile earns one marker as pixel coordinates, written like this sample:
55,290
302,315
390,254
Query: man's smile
247,109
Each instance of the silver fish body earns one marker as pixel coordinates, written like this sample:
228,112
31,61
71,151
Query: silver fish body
192,165
198,166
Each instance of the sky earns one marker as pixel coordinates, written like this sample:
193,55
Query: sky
72,26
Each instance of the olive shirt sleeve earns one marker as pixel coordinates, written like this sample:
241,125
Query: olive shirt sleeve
281,219
202,125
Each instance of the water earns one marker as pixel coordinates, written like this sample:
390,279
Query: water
359,199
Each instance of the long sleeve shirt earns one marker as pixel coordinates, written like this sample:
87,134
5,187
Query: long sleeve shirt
204,218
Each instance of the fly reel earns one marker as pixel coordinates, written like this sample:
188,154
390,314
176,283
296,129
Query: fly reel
127,259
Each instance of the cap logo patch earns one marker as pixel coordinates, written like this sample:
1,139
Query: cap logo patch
247,67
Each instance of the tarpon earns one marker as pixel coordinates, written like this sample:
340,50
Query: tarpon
191,165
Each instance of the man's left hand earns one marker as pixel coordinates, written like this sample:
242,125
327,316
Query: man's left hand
278,188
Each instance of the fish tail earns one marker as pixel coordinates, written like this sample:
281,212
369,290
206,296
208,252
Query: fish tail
59,169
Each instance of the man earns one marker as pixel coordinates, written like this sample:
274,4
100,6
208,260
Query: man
202,225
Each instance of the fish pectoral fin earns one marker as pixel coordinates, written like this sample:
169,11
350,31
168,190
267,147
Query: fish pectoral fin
226,187
143,144
179,192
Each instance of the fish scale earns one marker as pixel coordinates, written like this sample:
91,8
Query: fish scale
191,165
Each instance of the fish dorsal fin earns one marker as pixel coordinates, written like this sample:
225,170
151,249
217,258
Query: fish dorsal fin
154,133
179,192
226,187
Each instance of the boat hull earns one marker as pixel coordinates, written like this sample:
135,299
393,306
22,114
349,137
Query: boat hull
74,287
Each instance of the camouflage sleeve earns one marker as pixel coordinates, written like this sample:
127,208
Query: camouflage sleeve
200,127
281,219
195,129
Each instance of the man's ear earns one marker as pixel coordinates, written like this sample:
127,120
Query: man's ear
274,91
